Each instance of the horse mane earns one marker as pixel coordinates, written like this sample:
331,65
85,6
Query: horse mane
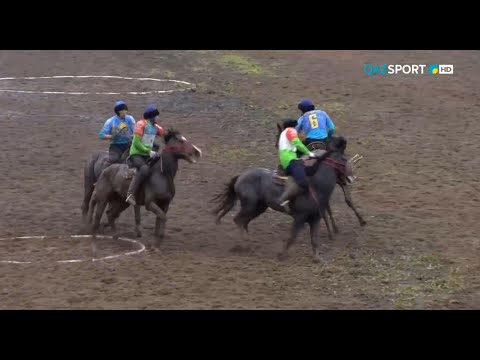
170,133
338,145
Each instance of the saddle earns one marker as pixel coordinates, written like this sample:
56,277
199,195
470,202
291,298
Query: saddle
280,177
344,169
131,171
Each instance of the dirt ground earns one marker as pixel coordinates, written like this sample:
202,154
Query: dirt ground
417,187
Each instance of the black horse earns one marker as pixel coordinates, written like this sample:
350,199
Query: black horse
344,179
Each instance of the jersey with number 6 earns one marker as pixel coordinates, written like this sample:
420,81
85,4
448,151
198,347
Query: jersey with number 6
316,124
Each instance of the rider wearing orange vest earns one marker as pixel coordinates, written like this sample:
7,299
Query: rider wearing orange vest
142,149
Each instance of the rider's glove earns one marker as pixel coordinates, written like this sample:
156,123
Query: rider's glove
311,154
153,154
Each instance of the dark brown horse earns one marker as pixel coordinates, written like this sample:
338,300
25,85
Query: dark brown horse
155,193
343,180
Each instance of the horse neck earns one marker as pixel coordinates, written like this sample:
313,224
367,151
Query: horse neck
321,167
167,164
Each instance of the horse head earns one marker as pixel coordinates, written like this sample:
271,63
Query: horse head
337,144
180,147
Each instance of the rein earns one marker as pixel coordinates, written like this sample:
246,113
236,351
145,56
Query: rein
338,166
170,149
341,167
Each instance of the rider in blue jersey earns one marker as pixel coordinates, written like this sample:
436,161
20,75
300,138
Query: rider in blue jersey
316,124
119,130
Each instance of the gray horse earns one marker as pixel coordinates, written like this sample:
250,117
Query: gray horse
155,193
257,190
98,162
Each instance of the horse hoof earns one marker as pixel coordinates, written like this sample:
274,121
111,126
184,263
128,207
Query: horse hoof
282,256
317,257
363,223
138,234
149,248
336,231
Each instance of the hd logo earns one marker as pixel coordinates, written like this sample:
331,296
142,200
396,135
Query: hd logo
435,69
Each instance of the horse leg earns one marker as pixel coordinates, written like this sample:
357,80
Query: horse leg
86,200
246,214
113,212
138,226
100,208
334,225
323,214
296,227
109,210
315,239
161,225
161,218
348,200
91,209
89,186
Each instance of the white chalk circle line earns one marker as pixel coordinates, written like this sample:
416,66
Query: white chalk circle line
190,85
141,248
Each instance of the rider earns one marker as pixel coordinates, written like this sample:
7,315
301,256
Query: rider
141,150
119,130
288,145
316,123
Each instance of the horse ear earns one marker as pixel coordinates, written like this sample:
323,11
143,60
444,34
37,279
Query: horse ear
279,127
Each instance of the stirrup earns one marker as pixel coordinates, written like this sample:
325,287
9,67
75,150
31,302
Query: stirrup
130,200
286,206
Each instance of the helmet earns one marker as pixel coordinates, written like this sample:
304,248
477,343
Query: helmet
306,105
120,105
150,112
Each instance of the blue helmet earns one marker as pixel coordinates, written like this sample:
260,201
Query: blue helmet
306,105
120,105
150,112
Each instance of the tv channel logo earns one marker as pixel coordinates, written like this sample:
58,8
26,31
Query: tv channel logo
435,69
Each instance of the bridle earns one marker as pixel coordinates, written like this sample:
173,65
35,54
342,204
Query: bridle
169,148
339,168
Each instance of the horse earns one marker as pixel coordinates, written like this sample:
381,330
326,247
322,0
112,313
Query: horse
155,193
342,181
257,190
98,162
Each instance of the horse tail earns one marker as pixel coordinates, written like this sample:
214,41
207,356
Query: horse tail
226,200
89,170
